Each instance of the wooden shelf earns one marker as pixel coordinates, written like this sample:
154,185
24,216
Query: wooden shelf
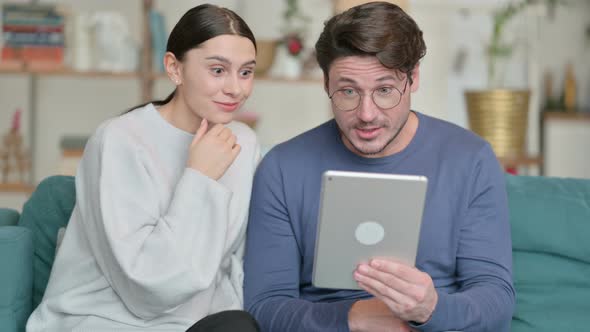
67,72
575,116
16,187
524,161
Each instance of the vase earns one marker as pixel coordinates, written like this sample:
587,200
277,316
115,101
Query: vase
501,117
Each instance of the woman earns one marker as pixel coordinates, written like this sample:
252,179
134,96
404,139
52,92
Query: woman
155,241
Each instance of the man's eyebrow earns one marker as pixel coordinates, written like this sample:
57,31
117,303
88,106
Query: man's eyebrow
386,78
345,80
227,62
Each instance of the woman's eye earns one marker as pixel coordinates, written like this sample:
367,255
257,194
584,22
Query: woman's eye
246,72
217,70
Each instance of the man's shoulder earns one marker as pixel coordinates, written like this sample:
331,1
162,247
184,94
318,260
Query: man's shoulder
451,135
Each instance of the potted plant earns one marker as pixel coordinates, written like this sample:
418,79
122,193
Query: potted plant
500,114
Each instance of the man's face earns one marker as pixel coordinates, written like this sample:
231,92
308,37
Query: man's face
368,130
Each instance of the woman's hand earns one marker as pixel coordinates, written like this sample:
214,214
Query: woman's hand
213,151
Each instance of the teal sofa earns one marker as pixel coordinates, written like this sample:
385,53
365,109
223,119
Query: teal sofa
550,220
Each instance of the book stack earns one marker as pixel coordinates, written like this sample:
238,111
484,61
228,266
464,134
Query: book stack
33,34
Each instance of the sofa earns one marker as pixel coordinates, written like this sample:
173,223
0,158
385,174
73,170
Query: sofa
550,220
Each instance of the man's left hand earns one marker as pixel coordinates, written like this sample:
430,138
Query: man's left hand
408,292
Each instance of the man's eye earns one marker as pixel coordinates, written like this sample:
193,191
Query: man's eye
385,90
348,92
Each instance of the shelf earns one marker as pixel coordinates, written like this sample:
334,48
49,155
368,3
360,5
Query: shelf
524,161
66,72
16,187
574,116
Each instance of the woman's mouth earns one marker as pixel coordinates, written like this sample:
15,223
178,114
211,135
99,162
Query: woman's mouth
227,107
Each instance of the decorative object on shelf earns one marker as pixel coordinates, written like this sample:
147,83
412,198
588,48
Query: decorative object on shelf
72,149
500,114
501,118
289,61
159,38
265,55
569,89
15,162
114,49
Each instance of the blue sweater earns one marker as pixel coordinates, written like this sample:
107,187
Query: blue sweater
465,243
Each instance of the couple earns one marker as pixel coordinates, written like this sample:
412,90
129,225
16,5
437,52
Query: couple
158,240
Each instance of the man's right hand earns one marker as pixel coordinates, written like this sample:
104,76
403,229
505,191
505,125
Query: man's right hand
212,152
374,315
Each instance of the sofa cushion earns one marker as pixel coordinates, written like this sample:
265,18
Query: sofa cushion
16,255
48,209
8,217
550,221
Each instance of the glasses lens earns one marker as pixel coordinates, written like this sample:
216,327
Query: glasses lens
346,99
386,97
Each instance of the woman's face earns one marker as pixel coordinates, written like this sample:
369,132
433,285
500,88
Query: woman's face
217,77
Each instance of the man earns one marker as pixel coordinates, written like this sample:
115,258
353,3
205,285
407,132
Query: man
462,280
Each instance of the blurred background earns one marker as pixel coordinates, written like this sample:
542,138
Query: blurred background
515,72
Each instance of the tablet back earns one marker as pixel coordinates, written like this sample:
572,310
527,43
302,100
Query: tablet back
365,215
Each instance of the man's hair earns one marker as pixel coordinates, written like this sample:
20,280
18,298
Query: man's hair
379,29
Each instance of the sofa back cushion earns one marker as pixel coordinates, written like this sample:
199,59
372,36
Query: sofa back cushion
45,212
550,220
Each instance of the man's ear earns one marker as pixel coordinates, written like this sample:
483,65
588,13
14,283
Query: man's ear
415,78
172,67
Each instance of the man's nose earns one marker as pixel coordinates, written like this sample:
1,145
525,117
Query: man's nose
367,111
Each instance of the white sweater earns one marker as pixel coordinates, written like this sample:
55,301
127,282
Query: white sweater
151,244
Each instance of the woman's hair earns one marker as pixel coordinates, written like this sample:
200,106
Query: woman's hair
379,29
197,26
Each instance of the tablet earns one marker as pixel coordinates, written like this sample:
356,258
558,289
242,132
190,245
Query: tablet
365,215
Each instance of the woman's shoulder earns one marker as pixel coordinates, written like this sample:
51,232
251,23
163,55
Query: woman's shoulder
123,130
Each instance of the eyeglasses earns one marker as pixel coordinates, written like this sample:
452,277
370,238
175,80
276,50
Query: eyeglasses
385,97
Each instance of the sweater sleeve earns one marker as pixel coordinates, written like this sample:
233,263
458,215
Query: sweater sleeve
485,299
272,264
155,257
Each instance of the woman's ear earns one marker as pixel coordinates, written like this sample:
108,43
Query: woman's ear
172,67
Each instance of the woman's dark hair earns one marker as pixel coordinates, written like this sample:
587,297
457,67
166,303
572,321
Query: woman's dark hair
197,26
379,29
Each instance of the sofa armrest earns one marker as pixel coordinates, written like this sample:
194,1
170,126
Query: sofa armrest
16,279
8,217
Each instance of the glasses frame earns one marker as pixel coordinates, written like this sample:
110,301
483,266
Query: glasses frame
362,95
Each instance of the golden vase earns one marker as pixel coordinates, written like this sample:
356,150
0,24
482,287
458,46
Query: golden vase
500,117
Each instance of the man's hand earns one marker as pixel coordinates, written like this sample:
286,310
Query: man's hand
408,292
212,152
374,316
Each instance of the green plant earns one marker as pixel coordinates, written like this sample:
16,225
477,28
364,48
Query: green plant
498,48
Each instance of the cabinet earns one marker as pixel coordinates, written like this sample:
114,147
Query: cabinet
565,140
